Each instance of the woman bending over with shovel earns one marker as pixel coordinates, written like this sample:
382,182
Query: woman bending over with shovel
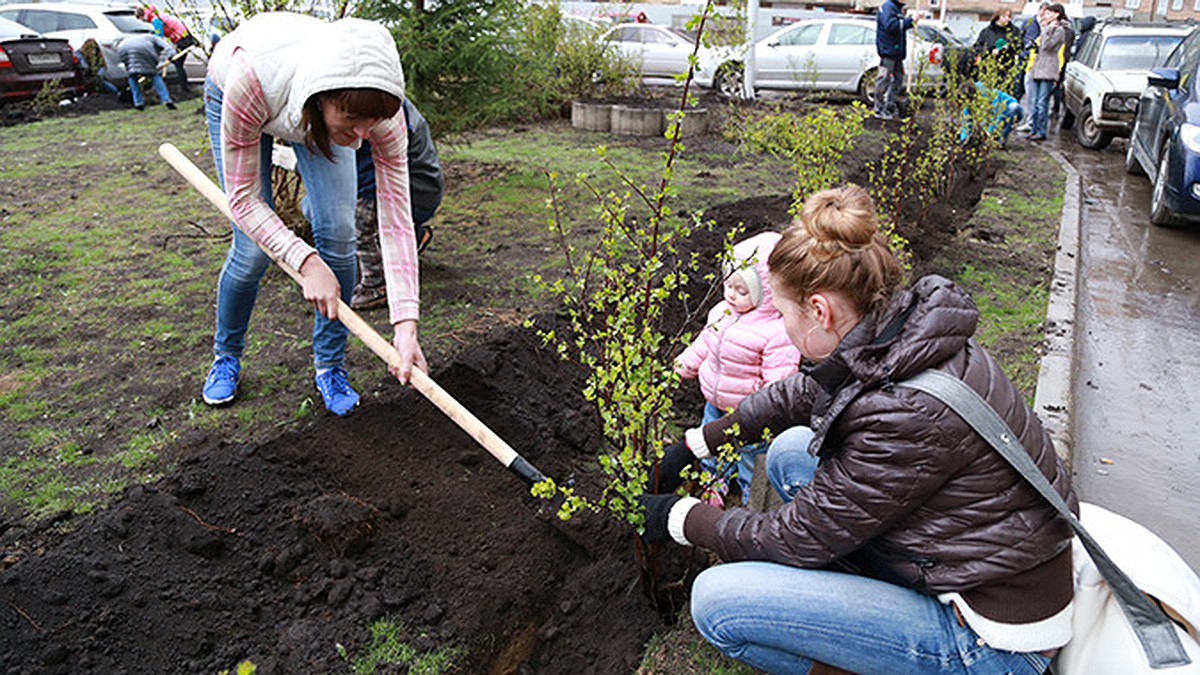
906,544
324,88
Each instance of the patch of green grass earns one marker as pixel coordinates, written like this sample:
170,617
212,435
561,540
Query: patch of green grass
40,487
683,651
387,649
1009,309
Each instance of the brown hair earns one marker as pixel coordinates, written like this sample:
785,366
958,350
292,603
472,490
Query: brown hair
1001,12
370,103
1059,10
835,245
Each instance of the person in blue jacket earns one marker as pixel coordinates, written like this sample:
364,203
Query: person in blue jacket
890,44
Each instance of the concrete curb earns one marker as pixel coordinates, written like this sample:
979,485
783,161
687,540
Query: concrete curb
1052,402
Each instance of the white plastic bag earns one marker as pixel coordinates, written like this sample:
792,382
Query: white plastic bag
1102,642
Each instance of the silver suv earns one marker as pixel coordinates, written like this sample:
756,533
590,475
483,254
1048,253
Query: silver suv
1102,83
108,24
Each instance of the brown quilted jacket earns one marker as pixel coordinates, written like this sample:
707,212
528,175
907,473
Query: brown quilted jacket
904,486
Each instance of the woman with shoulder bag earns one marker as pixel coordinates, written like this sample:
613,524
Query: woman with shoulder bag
906,544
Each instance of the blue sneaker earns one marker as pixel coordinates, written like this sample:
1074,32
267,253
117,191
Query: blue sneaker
339,397
221,384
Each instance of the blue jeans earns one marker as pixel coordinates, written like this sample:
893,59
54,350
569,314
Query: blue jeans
331,189
780,618
160,88
745,465
1041,105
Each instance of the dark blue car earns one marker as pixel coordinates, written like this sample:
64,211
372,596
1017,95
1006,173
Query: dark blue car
1165,143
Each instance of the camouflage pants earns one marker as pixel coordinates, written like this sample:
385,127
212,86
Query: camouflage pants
370,259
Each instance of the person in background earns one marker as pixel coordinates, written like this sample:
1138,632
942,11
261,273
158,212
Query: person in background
324,88
741,348
999,42
907,544
174,30
426,184
1065,53
1003,112
1046,67
892,47
1030,31
93,68
141,53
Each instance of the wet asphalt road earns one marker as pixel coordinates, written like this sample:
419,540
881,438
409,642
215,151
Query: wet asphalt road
1135,420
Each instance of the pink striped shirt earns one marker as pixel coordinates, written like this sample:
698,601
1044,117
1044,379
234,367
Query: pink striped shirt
245,112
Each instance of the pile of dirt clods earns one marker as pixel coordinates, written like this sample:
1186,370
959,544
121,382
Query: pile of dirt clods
282,552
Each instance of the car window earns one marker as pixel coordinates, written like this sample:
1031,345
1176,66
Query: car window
801,37
46,21
851,34
127,22
657,37
938,36
1088,50
12,29
1136,52
1188,45
625,34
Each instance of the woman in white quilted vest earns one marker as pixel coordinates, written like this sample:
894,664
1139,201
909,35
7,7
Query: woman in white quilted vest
323,88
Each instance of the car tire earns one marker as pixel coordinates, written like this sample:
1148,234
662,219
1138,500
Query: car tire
1068,119
1088,133
866,86
1132,165
1159,213
729,80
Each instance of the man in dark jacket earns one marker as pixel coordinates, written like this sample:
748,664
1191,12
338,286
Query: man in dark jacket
140,54
892,47
426,185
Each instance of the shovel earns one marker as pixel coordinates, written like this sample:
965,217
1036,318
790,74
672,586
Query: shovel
373,340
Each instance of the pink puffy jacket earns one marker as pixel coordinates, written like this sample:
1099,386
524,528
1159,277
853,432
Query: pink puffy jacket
737,354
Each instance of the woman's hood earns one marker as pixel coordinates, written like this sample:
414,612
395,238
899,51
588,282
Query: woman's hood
353,54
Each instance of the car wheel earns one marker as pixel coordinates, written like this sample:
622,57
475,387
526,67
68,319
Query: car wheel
728,81
866,86
1089,134
1159,213
1068,119
1132,165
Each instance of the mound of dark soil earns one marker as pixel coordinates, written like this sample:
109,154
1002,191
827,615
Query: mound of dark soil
280,553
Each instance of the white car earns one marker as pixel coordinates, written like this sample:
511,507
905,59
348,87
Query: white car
1102,84
663,51
107,24
834,54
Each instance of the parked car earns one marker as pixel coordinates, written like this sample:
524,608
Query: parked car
834,54
1102,84
28,61
1165,141
108,24
663,51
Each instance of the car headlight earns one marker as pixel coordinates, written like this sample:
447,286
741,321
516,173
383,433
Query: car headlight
1189,135
1120,103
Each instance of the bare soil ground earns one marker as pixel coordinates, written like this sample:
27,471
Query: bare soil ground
279,551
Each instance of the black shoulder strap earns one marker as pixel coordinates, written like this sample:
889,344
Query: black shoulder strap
1154,629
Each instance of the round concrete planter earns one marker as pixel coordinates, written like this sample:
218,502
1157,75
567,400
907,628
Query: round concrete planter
591,116
631,121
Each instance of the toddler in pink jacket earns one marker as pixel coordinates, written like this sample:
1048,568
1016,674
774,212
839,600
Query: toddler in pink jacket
742,348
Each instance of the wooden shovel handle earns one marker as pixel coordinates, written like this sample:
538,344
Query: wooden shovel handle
372,339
